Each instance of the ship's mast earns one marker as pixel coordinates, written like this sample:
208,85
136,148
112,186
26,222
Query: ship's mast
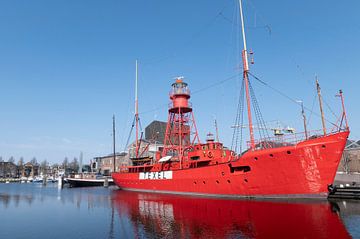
114,150
304,117
343,108
217,131
136,111
246,78
321,106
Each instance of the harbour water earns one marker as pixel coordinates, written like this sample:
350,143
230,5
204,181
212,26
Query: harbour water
36,211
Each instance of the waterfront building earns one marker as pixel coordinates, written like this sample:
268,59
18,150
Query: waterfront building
30,170
155,131
8,170
105,164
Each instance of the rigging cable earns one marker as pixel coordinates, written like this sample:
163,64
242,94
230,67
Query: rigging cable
286,96
264,135
238,122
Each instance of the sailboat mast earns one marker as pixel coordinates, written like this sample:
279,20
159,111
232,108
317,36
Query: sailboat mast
136,111
114,150
321,106
246,78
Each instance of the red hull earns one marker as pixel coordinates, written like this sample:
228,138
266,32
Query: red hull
303,170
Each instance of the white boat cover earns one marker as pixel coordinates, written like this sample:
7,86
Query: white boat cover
164,159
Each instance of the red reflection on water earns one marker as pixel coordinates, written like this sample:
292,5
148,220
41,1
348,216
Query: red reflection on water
157,215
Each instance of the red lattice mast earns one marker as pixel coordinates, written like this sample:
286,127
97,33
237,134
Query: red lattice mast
181,132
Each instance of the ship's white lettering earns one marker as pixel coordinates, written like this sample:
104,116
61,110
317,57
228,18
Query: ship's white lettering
155,175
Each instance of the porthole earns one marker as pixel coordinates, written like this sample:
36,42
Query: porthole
323,146
228,181
194,183
256,158
217,182
288,152
203,182
271,155
245,180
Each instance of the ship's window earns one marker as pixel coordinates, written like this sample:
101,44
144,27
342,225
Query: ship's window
323,146
271,155
217,182
195,158
256,158
240,168
194,183
203,182
222,173
288,152
228,181
245,180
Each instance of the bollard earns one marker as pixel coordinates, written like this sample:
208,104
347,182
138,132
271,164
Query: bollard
106,182
60,182
44,181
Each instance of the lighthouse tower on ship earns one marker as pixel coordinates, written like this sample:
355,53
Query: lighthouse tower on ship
181,132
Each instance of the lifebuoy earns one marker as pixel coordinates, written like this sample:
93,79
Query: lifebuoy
210,155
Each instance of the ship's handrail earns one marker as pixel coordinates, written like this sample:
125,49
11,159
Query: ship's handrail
288,139
171,105
179,91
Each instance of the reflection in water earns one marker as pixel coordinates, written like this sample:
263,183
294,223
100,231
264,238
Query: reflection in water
159,216
110,213
28,194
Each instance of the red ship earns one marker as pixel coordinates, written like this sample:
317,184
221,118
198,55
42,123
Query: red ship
302,165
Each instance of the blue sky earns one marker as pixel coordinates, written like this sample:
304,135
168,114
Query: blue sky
67,66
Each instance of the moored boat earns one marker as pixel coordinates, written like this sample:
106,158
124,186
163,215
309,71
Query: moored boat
88,180
300,165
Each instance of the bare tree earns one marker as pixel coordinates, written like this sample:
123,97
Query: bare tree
21,162
74,165
65,163
20,165
33,161
43,166
11,159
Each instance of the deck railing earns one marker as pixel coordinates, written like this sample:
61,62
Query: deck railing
285,139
